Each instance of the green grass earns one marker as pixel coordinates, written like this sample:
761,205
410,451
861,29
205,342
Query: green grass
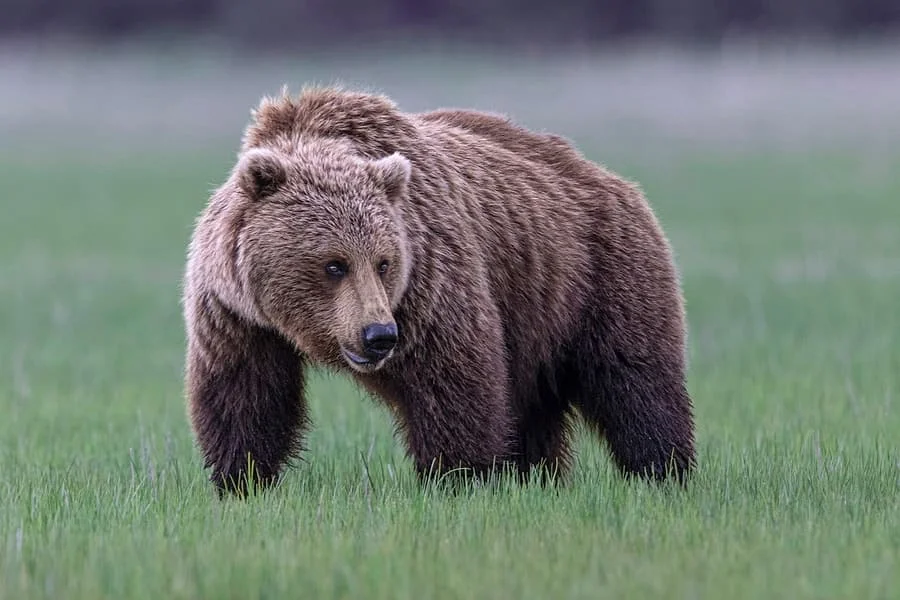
792,275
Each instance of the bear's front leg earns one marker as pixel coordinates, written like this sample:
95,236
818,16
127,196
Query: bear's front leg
453,404
245,394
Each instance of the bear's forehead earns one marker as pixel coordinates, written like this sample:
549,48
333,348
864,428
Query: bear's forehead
354,221
336,215
333,194
351,239
330,174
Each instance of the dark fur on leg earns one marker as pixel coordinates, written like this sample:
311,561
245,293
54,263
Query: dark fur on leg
643,410
543,446
629,352
245,387
458,426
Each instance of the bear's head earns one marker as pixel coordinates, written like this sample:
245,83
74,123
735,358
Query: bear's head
320,248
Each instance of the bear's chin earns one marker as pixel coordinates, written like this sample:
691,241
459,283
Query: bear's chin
362,365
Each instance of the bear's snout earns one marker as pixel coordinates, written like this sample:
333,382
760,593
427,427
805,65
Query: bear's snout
378,339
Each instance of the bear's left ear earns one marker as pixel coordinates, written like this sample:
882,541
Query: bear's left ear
261,172
393,173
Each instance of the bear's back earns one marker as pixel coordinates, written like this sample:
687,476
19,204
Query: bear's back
549,149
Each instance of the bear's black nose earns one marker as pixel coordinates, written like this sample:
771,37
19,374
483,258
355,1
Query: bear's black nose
378,340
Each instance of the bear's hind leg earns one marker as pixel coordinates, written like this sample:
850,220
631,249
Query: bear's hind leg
644,412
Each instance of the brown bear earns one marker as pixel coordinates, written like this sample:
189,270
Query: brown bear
487,282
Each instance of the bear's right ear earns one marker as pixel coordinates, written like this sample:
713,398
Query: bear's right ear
261,172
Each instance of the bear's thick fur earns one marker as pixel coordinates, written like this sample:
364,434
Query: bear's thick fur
487,282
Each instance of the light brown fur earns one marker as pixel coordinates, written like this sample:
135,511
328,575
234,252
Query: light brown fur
527,284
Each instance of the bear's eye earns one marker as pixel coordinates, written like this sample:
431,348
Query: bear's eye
383,267
336,269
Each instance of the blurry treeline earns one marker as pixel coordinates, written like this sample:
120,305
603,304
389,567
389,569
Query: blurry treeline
287,23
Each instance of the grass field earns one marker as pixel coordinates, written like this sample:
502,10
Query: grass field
791,267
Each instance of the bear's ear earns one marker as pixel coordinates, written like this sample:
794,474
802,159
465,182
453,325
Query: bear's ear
393,173
261,172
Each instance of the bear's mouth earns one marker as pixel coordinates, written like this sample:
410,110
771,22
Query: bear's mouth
356,359
361,363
